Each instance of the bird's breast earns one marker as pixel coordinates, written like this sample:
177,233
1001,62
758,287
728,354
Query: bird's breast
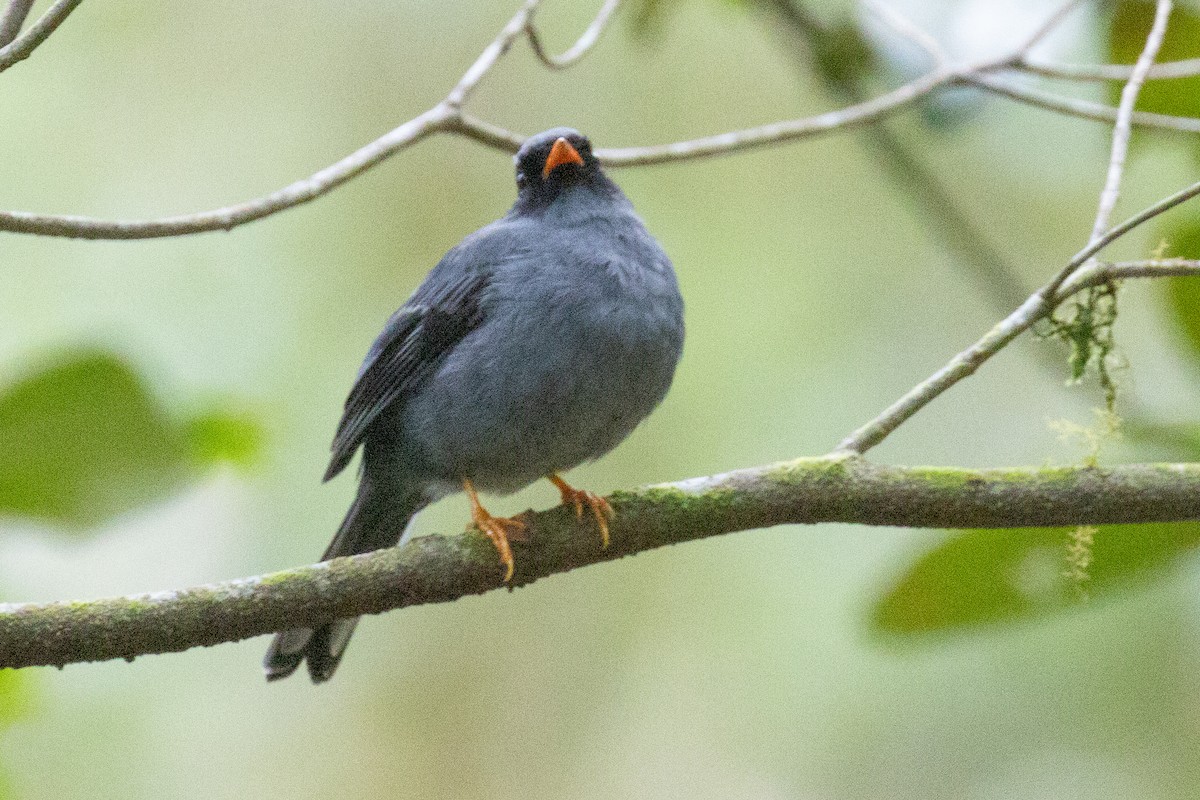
571,356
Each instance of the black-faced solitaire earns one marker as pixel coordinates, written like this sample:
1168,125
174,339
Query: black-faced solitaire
536,344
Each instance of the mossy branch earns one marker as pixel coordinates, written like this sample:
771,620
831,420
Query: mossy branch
438,569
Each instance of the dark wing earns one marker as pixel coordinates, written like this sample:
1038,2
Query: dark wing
412,345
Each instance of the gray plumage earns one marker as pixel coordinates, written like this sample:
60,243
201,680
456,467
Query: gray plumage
536,344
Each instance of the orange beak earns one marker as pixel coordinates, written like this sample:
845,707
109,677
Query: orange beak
561,153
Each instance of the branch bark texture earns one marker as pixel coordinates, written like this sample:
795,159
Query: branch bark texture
437,569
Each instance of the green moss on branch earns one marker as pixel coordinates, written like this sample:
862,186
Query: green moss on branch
436,569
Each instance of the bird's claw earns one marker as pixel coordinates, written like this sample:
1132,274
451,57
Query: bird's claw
601,510
498,529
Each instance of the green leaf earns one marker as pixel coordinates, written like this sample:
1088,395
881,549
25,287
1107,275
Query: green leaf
224,435
14,703
84,439
985,578
1183,294
14,696
1131,21
843,55
1181,439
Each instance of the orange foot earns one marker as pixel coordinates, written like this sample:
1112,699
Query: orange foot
495,528
601,510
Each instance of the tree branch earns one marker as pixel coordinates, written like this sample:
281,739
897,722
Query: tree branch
436,569
1168,70
1074,107
907,165
906,29
1148,268
22,47
448,117
1038,306
229,217
1042,302
1047,27
13,18
1124,124
578,50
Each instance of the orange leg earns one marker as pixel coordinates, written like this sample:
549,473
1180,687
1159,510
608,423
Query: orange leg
601,510
495,528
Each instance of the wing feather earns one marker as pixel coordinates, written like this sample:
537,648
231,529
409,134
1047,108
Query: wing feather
412,346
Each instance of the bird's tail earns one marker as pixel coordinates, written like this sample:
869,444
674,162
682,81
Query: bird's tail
377,519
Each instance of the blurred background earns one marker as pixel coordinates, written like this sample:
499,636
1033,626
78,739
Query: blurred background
166,408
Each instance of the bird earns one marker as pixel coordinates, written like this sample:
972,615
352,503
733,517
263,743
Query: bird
536,344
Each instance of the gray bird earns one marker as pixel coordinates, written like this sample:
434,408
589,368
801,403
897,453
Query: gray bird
538,343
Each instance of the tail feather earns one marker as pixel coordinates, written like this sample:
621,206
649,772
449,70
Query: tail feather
377,519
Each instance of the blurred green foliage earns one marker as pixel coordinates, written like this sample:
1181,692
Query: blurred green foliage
843,54
224,435
14,701
83,439
986,578
1183,294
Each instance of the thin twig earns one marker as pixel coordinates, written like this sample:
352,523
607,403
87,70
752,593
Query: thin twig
1149,213
1124,126
905,164
490,55
1045,29
444,119
13,18
581,47
228,217
1040,304
1073,106
778,132
1168,70
448,117
434,569
24,45
1151,268
905,27
1102,272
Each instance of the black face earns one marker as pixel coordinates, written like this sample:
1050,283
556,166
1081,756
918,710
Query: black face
535,183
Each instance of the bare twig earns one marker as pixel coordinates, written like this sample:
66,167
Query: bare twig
779,132
24,45
229,217
13,18
909,168
1124,124
448,117
1102,272
1074,107
490,55
905,27
1138,219
445,119
581,47
1039,305
435,569
1045,29
1168,70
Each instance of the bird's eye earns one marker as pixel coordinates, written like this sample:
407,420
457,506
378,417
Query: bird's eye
520,179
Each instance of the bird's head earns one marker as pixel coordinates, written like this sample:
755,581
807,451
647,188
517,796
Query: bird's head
552,161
